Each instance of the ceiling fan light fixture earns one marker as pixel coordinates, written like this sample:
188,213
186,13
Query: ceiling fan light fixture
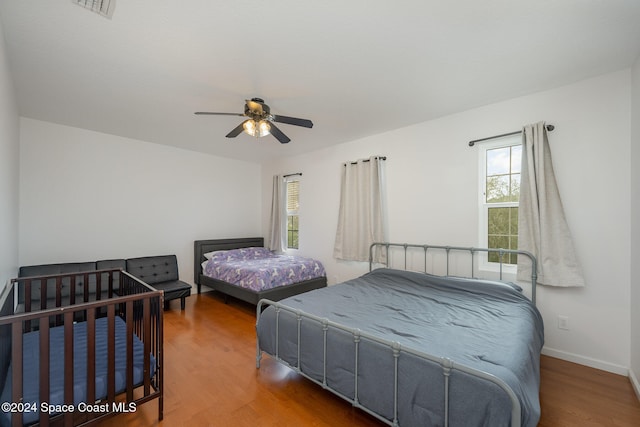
264,128
259,129
250,127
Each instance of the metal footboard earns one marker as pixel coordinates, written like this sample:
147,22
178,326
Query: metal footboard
397,350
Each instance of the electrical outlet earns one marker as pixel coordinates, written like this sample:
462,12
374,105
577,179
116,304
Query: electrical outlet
563,322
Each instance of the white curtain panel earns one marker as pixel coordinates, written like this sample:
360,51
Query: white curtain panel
542,227
361,219
277,242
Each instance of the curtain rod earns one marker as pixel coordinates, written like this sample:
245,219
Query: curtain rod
292,174
472,143
366,160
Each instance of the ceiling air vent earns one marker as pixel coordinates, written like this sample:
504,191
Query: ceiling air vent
102,7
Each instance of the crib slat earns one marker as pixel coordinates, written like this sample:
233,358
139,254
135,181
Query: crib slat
58,291
146,318
16,371
110,282
44,367
85,283
27,295
159,322
98,286
27,302
129,314
58,298
72,290
91,355
68,366
111,353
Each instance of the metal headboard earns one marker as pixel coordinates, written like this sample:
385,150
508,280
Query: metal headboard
448,249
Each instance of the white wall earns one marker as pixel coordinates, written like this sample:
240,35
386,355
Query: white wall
9,161
432,193
635,227
86,195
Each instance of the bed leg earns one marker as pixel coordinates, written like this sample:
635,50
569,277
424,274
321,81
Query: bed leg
261,306
258,354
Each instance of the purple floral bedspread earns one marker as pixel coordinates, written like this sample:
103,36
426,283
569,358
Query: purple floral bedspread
260,269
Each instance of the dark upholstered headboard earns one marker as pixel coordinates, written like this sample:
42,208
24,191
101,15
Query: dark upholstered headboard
201,247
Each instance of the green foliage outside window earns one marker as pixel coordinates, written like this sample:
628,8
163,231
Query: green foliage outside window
503,233
292,231
503,191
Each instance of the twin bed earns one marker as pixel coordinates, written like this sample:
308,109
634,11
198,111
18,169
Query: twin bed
415,349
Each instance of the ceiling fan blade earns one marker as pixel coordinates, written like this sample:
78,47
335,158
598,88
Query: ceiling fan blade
279,135
293,121
236,131
200,113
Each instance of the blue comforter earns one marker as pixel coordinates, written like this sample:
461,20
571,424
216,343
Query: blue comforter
485,325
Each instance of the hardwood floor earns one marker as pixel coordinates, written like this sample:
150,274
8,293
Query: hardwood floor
211,380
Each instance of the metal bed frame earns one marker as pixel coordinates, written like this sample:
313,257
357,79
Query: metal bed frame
447,365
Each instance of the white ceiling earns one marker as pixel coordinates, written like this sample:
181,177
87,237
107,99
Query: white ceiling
355,68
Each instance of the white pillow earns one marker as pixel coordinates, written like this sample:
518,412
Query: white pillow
208,255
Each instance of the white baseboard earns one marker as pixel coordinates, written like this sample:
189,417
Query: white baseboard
635,383
587,361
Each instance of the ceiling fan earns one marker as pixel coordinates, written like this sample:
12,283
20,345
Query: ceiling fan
260,121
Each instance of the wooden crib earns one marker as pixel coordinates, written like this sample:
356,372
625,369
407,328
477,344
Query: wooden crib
102,332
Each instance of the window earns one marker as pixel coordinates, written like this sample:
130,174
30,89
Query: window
499,196
293,203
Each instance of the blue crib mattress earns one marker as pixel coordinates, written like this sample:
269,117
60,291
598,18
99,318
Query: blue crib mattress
31,366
